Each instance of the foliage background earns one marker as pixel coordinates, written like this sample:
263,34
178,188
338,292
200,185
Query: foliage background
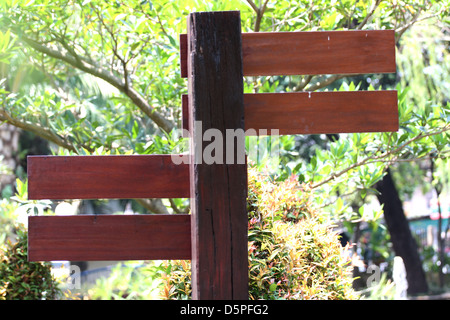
293,253
97,77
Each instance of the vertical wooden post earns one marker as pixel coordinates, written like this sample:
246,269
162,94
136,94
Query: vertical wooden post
219,189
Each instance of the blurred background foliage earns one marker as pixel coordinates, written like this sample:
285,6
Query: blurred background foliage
94,77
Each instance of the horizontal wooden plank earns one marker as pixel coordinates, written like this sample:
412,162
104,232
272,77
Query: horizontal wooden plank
319,112
106,177
312,53
183,55
109,237
323,112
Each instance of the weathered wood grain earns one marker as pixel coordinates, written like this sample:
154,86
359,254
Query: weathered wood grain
218,191
317,112
183,55
313,53
185,115
109,237
106,177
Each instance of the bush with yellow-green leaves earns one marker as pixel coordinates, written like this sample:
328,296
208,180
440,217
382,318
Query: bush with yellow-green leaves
293,252
21,279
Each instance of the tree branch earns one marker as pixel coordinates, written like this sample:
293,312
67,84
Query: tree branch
382,157
253,5
83,65
326,82
259,13
38,130
305,81
369,15
400,31
153,205
175,208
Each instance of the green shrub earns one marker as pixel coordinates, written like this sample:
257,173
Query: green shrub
293,252
21,279
7,220
177,280
128,281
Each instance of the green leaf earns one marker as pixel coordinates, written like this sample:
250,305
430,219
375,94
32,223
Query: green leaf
135,45
363,196
172,41
120,16
135,130
273,287
339,204
313,163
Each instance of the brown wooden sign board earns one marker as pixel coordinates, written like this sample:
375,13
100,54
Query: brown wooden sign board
110,237
313,53
316,112
215,56
106,177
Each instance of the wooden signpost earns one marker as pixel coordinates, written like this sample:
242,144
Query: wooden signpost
215,56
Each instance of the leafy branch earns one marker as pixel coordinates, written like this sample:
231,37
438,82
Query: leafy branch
399,32
86,65
259,13
384,157
38,130
369,15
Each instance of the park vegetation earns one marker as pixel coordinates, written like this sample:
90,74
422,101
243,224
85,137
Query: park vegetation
90,77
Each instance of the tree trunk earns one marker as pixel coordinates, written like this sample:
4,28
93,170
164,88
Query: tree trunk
440,237
401,237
